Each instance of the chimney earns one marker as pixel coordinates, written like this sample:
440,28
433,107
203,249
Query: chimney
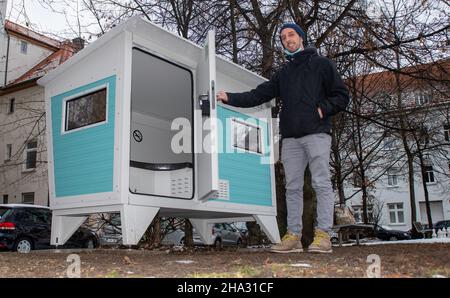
78,44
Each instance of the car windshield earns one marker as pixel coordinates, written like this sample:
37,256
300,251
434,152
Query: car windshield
4,212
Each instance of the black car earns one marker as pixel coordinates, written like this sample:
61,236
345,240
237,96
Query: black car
443,224
385,233
26,227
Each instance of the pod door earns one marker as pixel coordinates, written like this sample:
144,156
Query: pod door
161,153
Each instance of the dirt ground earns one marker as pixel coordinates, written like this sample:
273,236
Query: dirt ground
397,260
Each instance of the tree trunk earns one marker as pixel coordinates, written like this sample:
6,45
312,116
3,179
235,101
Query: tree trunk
425,190
188,235
233,30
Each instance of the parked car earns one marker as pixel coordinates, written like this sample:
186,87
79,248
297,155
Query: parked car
388,234
27,227
111,232
224,234
441,225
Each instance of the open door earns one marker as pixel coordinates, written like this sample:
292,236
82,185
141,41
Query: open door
206,117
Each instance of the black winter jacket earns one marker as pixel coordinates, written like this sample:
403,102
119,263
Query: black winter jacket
306,82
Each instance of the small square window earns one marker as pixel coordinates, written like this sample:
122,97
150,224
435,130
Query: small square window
423,97
86,110
28,198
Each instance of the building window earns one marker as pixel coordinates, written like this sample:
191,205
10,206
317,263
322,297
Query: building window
424,137
392,178
447,132
86,110
396,213
23,47
357,180
422,97
8,152
5,199
11,106
429,174
28,198
31,155
246,136
358,213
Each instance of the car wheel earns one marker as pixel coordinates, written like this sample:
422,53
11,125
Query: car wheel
218,243
182,242
23,245
393,238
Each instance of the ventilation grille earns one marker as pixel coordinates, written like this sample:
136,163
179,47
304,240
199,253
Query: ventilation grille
181,187
224,190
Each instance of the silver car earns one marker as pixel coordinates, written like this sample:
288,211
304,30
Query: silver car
223,234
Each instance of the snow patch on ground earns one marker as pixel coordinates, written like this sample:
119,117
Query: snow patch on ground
301,265
413,241
184,261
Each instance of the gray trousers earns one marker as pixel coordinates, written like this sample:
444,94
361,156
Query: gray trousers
295,155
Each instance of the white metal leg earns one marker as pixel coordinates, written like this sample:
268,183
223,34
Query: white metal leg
135,221
269,225
63,227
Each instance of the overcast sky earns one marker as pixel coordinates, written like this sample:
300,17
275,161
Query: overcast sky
53,20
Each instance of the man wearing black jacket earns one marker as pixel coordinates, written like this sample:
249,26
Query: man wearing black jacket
311,91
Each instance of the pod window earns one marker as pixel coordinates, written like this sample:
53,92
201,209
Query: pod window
86,110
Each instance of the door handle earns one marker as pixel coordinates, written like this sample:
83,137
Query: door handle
204,103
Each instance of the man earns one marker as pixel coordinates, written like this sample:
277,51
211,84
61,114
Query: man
311,91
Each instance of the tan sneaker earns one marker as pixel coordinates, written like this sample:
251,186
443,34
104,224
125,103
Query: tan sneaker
289,243
321,242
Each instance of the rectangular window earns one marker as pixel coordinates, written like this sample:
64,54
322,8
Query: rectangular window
358,213
86,110
396,213
392,178
423,97
246,136
357,180
23,47
8,152
28,198
5,199
424,137
429,174
447,132
31,155
11,105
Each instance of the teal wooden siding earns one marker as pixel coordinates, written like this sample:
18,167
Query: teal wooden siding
249,179
84,159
